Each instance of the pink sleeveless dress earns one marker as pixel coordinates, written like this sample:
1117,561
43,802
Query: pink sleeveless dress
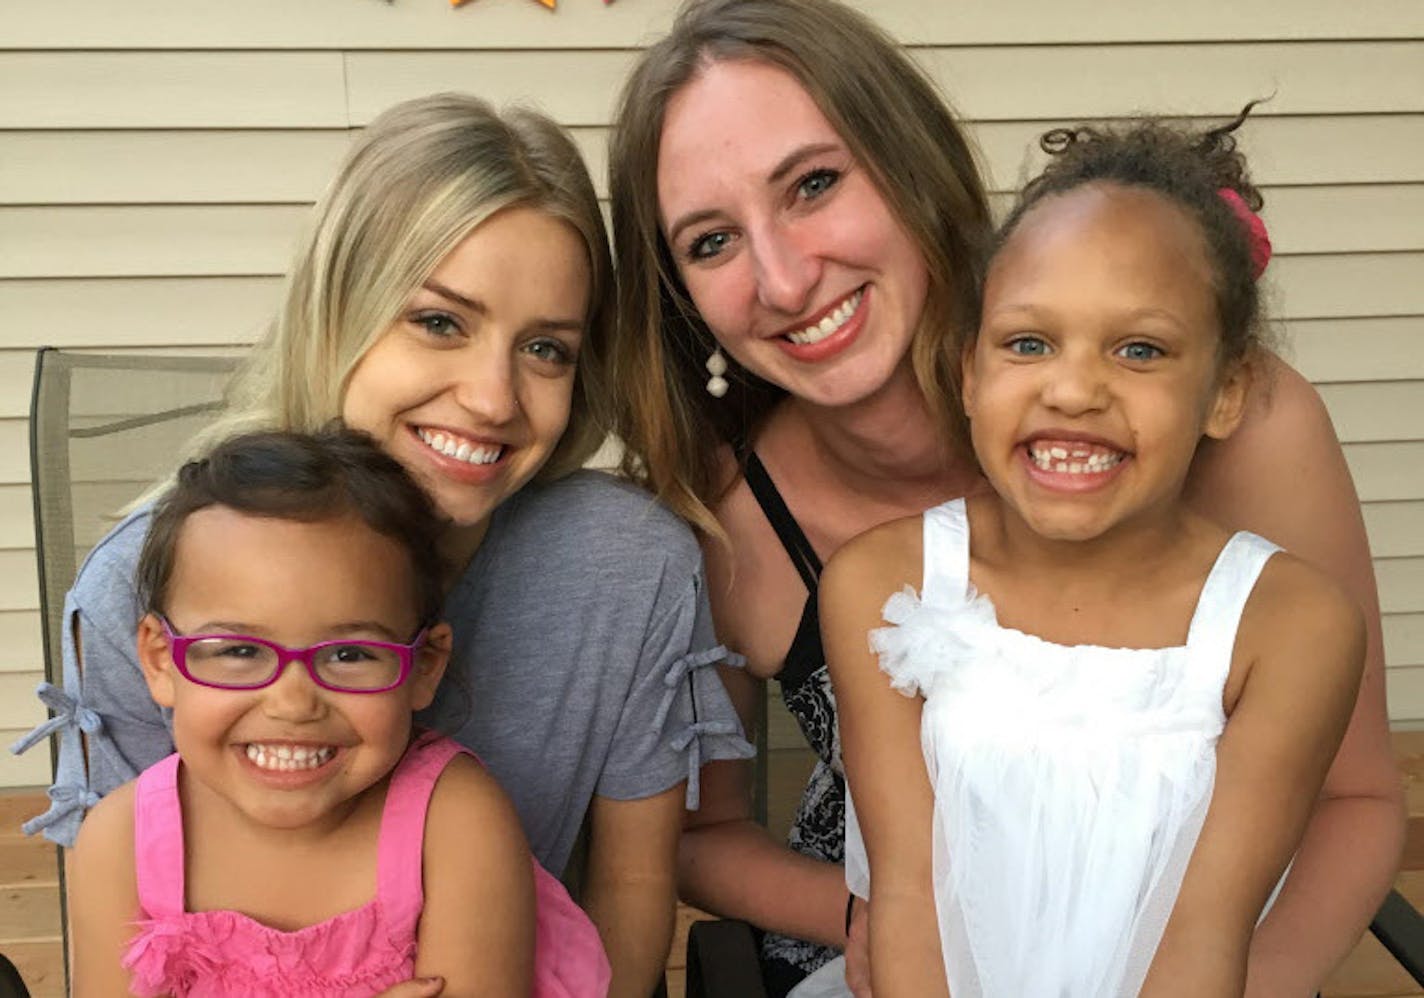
357,953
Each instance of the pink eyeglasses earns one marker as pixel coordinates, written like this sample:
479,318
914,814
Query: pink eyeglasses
242,662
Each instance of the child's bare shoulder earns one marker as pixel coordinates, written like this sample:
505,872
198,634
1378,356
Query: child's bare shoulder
105,845
469,810
1297,613
882,560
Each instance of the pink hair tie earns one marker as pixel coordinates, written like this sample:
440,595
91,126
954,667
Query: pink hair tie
1256,236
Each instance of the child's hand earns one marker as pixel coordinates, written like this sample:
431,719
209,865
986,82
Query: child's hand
416,987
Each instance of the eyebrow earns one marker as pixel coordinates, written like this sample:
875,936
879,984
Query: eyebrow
450,294
480,308
1035,311
778,173
792,159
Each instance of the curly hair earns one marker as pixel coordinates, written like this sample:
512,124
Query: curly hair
1192,169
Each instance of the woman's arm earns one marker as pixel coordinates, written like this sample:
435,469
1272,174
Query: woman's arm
731,866
477,928
1283,475
1299,653
727,863
103,897
885,769
630,892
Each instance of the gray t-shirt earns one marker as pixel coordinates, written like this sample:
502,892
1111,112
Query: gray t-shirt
583,641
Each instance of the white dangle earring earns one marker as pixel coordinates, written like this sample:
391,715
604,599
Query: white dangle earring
717,366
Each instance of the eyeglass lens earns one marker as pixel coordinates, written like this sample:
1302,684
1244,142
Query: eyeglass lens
352,665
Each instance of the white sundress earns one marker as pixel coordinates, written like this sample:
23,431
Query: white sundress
1070,782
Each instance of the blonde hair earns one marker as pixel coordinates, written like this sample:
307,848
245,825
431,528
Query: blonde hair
898,128
419,179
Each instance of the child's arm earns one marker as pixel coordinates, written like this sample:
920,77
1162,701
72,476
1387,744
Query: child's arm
477,928
103,896
1282,474
880,744
1302,643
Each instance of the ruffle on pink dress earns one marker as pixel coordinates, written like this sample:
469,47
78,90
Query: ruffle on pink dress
211,954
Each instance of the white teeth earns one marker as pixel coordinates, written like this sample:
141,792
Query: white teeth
461,450
828,325
1087,461
288,758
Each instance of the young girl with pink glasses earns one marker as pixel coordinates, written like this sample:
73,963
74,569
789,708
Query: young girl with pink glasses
306,838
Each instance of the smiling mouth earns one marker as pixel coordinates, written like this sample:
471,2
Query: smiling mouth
459,448
837,318
1073,458
283,758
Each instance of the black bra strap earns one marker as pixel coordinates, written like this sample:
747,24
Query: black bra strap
792,538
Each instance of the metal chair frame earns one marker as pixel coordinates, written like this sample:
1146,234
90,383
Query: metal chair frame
52,484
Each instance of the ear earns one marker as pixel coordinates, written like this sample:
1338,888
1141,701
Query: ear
967,383
156,659
429,668
1227,408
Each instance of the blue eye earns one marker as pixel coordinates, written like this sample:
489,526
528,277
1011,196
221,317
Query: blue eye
1028,346
550,350
1140,352
437,324
708,246
816,183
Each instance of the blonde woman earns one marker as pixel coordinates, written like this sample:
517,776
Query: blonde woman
798,225
453,300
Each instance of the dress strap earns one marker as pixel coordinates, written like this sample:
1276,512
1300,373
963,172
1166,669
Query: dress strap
946,553
788,531
1212,635
400,849
158,840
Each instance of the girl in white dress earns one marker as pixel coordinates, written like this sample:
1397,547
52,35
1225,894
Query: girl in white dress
1087,747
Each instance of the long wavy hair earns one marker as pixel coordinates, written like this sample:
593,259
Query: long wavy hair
419,179
897,127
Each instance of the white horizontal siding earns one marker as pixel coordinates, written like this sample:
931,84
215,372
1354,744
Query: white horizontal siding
1357,349
326,90
272,166
342,24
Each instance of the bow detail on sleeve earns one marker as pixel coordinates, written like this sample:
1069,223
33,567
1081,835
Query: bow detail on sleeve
68,802
685,666
689,740
66,710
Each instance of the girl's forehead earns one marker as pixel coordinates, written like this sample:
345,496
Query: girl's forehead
1104,247
1122,218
